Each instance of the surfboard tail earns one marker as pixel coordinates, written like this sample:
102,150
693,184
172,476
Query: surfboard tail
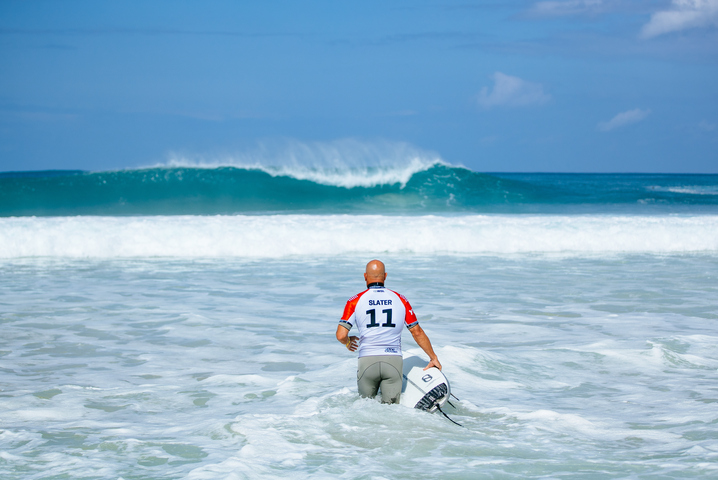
436,397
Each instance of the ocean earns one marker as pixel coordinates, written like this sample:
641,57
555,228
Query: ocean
177,322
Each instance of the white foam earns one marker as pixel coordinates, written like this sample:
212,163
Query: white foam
567,423
274,236
688,189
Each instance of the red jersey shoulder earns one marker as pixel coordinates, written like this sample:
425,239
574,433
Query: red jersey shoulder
352,305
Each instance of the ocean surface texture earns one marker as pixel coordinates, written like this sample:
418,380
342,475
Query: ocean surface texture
178,322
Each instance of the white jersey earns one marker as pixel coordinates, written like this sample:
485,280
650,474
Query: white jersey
379,315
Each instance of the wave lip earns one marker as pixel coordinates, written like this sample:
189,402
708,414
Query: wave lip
363,177
274,236
366,177
344,163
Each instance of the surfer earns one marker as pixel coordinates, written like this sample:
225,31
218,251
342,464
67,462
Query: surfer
379,314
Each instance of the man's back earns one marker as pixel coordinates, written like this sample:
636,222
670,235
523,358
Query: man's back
379,314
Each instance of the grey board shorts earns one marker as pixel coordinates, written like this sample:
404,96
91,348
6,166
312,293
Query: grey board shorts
380,371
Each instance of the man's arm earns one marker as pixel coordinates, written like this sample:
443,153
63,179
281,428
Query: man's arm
343,336
423,341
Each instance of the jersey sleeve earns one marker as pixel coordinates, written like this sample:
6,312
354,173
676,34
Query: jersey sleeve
410,319
347,320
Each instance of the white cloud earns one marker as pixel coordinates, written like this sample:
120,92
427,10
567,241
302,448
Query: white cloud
684,15
570,7
623,119
512,92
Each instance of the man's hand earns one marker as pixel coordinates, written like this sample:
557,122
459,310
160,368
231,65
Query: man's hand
352,343
433,363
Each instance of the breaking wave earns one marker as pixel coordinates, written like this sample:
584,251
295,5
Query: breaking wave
416,186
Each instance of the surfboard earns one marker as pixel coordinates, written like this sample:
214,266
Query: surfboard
423,389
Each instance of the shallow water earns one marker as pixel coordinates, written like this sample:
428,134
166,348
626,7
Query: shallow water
591,366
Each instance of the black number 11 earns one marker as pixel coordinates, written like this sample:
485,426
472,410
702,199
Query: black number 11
372,322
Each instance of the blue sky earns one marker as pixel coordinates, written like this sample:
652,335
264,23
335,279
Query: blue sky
566,85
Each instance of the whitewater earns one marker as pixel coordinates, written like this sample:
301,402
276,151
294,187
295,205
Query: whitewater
177,322
277,236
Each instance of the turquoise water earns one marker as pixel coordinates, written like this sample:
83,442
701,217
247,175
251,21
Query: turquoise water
409,190
185,329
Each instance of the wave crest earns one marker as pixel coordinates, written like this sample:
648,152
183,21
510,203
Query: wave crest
346,163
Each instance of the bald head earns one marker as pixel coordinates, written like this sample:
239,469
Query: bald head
375,272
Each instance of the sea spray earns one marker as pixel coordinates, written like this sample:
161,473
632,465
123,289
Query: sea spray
345,163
